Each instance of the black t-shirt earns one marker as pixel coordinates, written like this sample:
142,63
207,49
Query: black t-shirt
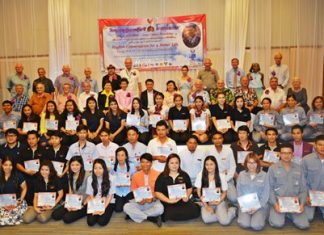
176,114
27,154
14,152
59,156
93,119
243,116
34,118
12,185
219,113
115,121
53,186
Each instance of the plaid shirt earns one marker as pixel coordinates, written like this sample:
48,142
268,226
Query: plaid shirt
19,102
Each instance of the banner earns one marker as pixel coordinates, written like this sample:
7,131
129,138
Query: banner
154,43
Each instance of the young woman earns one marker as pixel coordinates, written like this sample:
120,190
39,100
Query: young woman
253,180
100,186
115,122
123,96
256,79
169,94
176,209
210,178
46,181
122,173
94,119
201,114
77,185
12,182
71,113
27,116
240,114
159,109
185,84
315,118
104,96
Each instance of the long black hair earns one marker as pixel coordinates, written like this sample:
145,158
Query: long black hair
52,175
204,177
32,116
76,111
105,185
13,174
81,176
121,149
55,113
141,112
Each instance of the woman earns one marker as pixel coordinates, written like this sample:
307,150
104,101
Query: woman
116,122
169,94
99,186
200,119
157,112
185,84
176,209
210,179
123,96
28,117
315,118
39,99
300,93
46,182
104,96
77,185
94,119
253,180
256,79
65,96
12,182
240,115
122,173
179,114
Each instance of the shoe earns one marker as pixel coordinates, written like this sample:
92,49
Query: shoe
127,217
156,220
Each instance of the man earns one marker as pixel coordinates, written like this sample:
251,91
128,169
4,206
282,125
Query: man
147,96
276,94
18,78
226,163
286,179
161,146
19,100
234,75
8,119
48,84
88,78
280,71
301,148
106,149
39,99
85,95
132,75
65,96
313,166
12,147
220,88
149,209
208,75
198,91
112,77
64,78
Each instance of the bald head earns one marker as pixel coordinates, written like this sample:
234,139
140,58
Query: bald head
87,72
220,83
244,82
207,63
128,63
278,57
66,69
198,85
19,68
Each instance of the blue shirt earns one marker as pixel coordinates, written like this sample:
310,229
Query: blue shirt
229,81
122,191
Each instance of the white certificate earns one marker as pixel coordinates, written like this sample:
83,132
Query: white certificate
30,126
154,118
249,202
177,191
9,124
289,204
46,199
32,165
88,162
223,124
211,194
198,124
241,155
122,179
291,119
59,167
316,118
164,151
96,205
238,124
133,120
109,160
270,156
73,201
179,125
142,193
266,119
316,198
71,125
51,124
8,200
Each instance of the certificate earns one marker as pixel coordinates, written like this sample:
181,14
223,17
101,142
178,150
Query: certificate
51,125
96,205
164,151
59,167
266,119
46,199
270,156
88,162
223,124
316,198
32,165
122,179
71,125
8,200
30,126
249,202
238,124
198,124
109,160
9,124
179,125
289,204
177,191
133,120
316,118
241,155
73,201
211,194
290,119
142,193
154,118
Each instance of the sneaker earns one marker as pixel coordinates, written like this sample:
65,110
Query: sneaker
156,220
127,217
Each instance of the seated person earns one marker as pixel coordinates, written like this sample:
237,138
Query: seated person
147,96
159,111
124,96
87,92
104,97
299,92
198,90
240,115
315,118
28,117
301,148
39,99
170,93
8,119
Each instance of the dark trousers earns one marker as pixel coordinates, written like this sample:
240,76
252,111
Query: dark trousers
179,137
144,137
61,213
68,140
181,211
103,219
121,201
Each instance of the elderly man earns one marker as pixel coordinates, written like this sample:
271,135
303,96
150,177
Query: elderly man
111,77
18,78
220,88
88,78
132,75
276,94
48,84
208,75
234,75
85,95
65,96
64,78
8,119
39,99
20,99
198,91
280,71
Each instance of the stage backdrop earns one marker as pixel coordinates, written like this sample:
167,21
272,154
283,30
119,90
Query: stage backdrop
164,43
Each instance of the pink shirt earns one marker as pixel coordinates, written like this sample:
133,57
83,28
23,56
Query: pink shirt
124,99
61,100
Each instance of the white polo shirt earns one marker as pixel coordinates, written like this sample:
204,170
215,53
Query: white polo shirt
107,153
135,152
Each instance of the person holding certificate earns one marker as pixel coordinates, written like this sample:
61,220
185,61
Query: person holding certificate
145,206
157,112
124,96
74,210
212,191
252,181
313,166
200,119
13,190
315,118
179,120
177,207
29,121
48,193
288,191
99,187
240,114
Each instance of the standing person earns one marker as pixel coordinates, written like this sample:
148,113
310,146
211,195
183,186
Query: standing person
111,77
256,79
65,96
66,77
240,115
276,94
18,78
234,75
8,119
208,75
170,92
315,124
87,92
19,100
280,71
123,96
27,117
147,96
39,99
48,84
299,92
88,78
249,95
133,77
185,85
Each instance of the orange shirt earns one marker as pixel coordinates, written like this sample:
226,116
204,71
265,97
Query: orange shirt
39,101
138,179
